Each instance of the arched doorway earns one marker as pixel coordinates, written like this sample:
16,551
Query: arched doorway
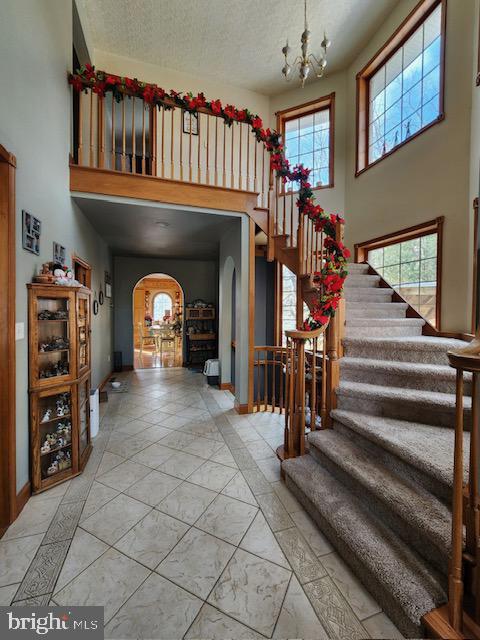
158,303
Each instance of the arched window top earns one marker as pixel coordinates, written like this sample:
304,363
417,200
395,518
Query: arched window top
162,306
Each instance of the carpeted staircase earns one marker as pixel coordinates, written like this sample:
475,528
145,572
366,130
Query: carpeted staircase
379,483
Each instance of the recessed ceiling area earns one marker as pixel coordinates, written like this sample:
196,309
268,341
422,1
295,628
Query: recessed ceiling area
237,43
149,231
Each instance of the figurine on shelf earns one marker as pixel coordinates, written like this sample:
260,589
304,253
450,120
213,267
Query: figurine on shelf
45,276
45,448
55,343
64,276
53,468
51,439
47,415
61,441
60,407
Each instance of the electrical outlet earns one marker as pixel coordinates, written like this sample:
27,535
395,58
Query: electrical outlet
108,358
19,331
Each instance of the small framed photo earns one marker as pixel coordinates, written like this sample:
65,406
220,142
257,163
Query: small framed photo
108,285
58,253
31,229
190,121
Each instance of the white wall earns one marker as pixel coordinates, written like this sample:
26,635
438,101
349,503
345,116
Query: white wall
35,104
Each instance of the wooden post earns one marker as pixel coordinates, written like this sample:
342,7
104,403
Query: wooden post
101,131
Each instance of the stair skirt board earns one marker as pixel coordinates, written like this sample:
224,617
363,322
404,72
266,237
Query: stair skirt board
402,583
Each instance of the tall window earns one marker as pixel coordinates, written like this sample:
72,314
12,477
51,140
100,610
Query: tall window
289,302
162,303
308,135
410,267
400,90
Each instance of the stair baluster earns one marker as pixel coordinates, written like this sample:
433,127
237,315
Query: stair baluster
464,570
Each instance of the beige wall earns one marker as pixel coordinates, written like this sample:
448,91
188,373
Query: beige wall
35,103
475,132
429,176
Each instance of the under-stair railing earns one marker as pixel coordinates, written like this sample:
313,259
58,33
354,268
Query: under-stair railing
464,570
171,136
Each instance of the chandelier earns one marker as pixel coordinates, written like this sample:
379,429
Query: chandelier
306,61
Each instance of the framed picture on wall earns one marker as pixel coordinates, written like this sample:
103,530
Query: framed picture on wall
31,228
190,121
108,285
58,253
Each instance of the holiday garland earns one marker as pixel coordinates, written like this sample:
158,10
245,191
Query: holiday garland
330,279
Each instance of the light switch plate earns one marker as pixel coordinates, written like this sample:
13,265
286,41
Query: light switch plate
19,330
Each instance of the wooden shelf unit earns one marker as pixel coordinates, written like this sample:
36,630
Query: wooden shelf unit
202,344
59,403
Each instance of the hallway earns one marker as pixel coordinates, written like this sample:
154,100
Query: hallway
181,527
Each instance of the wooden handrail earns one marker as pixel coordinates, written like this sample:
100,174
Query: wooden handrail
463,581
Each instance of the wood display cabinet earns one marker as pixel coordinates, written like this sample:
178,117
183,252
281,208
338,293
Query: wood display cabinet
59,374
201,335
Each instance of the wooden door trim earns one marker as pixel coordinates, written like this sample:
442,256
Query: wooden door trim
8,494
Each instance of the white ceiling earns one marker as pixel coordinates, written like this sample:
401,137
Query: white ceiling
132,230
238,43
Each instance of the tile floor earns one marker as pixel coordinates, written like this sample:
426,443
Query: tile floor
181,528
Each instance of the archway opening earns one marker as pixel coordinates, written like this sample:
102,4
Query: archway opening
158,304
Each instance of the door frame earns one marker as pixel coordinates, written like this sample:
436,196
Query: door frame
8,494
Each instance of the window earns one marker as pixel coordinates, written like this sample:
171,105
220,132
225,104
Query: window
289,302
400,92
410,262
162,306
307,132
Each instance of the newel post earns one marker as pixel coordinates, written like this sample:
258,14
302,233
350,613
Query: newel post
271,202
334,350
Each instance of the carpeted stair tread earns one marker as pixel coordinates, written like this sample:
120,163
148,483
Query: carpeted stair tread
401,582
427,399
360,309
424,520
394,373
361,280
426,447
426,349
387,322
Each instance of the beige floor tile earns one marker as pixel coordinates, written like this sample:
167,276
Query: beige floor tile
152,538
287,498
108,582
381,627
215,625
109,461
153,456
181,465
153,488
84,550
173,421
7,594
187,502
114,519
196,562
302,559
99,495
159,609
311,533
35,517
202,447
239,489
212,475
124,475
270,467
227,519
357,596
260,541
251,590
274,511
223,456
297,618
154,433
15,557
126,447
176,440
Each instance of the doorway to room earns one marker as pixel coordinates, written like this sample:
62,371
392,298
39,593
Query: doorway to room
158,303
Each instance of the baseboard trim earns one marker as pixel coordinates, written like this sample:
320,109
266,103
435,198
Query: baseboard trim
227,386
22,498
105,380
127,367
241,408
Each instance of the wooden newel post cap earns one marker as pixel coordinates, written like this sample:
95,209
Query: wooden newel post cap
305,335
467,358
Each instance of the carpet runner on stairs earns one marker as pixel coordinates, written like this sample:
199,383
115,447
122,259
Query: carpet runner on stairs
379,483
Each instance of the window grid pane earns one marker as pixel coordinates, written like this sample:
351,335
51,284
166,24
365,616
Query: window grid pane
411,269
307,141
405,91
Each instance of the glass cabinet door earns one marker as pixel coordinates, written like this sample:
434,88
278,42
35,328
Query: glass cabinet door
83,332
52,339
84,416
53,415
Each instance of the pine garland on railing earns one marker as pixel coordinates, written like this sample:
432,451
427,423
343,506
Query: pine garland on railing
330,279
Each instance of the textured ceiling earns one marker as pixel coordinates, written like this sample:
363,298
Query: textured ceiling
238,43
132,230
